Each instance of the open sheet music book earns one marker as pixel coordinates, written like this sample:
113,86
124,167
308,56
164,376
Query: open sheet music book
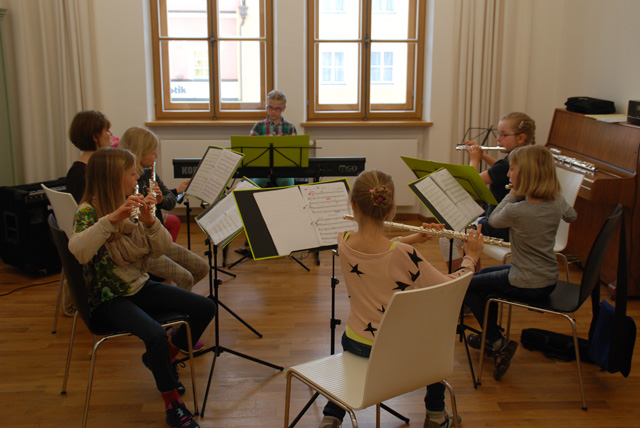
284,220
221,221
446,199
213,173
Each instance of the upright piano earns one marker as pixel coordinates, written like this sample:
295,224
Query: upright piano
607,153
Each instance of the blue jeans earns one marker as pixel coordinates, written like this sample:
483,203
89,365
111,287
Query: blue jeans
495,280
131,314
433,400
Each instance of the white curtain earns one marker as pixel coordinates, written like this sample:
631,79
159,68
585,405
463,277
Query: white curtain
53,79
493,39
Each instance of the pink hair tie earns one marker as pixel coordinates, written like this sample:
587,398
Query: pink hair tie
370,190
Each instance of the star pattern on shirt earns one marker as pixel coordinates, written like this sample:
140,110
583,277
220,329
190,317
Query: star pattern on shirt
401,286
414,257
371,329
414,276
382,309
354,269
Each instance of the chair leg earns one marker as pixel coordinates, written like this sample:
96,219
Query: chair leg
287,401
454,406
55,316
354,422
483,338
90,381
578,361
378,415
66,369
193,370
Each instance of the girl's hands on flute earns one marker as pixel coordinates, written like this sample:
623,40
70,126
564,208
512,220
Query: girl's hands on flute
474,244
124,211
418,238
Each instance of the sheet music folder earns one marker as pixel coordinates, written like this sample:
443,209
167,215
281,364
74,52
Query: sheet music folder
466,175
286,150
279,221
214,171
446,199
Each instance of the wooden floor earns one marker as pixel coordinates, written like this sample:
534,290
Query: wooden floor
291,308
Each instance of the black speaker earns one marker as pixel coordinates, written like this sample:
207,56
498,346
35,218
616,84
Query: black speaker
24,231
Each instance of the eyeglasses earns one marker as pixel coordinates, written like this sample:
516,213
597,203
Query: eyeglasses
274,108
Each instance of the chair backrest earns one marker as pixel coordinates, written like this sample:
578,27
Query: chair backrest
64,207
570,182
415,342
72,271
591,274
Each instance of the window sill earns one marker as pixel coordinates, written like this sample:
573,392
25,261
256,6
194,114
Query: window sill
368,123
195,122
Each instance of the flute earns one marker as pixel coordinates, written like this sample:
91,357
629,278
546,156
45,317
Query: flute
444,232
508,186
152,180
135,212
465,147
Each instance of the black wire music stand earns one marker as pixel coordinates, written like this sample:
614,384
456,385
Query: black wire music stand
217,349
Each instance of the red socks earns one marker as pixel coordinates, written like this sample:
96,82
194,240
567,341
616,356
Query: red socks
169,397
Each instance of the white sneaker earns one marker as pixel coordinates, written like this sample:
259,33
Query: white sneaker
330,422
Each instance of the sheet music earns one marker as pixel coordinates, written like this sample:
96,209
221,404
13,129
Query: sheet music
449,199
214,171
463,201
328,203
288,219
222,221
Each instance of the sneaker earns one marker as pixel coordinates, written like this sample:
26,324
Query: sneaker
198,346
178,416
441,419
502,359
474,341
330,422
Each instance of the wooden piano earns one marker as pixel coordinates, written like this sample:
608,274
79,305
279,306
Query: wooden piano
608,155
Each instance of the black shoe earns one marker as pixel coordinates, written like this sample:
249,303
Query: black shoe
178,416
474,341
502,359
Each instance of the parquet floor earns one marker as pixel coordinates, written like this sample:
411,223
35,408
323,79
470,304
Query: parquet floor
291,308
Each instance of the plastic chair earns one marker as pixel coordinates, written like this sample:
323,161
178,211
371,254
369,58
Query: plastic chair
64,207
567,297
413,348
79,295
570,182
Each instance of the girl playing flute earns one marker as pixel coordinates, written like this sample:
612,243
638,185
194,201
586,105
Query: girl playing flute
532,224
374,267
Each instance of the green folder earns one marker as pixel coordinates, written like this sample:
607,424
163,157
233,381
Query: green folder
466,175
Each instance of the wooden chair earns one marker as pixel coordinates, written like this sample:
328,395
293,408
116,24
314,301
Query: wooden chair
79,295
64,207
413,348
567,297
570,182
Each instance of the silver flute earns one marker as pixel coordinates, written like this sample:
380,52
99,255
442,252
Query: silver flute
443,232
135,212
465,147
152,182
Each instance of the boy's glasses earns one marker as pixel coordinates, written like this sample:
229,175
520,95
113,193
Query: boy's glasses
274,108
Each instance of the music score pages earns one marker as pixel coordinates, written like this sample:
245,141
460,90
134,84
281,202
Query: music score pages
305,217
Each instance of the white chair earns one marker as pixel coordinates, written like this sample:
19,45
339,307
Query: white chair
413,348
64,208
570,182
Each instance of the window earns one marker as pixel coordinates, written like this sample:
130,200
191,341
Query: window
366,62
213,59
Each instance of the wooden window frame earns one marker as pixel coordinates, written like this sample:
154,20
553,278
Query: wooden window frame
215,109
412,110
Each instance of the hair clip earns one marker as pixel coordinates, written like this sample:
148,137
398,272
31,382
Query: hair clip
370,190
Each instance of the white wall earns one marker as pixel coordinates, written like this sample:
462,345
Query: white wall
578,47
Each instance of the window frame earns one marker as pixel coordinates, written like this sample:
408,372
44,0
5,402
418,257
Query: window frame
217,109
415,68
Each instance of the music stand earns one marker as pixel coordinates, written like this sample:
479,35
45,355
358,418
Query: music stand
273,152
220,224
470,180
